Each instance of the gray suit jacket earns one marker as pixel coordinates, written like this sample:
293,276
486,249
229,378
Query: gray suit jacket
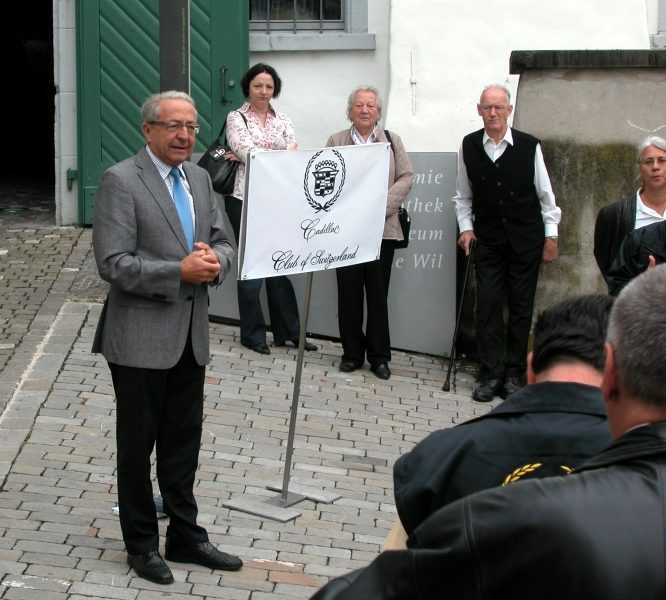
139,242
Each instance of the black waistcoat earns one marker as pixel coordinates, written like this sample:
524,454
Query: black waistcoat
504,200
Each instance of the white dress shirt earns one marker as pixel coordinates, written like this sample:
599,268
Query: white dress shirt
646,215
165,172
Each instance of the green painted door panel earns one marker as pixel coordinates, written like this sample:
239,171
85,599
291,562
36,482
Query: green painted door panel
118,52
220,49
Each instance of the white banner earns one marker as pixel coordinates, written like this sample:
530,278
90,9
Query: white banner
312,210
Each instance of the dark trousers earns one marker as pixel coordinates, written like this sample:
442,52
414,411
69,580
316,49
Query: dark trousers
161,409
372,280
502,274
282,306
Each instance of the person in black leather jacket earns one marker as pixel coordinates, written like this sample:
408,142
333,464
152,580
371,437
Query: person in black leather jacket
547,428
616,220
597,534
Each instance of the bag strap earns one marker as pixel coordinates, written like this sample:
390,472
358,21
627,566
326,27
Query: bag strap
224,125
388,137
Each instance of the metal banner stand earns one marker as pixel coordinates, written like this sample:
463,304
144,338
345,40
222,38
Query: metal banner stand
277,507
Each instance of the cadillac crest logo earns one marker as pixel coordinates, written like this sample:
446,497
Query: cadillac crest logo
321,179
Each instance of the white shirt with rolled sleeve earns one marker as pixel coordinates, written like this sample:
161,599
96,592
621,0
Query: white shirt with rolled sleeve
550,212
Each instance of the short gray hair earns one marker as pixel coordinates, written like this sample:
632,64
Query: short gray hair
652,140
150,109
364,88
637,333
497,86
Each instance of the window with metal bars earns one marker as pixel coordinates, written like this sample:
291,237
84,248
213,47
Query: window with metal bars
272,16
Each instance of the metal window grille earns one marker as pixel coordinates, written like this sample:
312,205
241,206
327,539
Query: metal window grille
297,15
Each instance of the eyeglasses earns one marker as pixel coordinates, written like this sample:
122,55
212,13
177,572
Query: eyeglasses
176,126
658,160
497,107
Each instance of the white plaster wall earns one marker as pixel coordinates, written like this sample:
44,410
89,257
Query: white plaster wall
315,85
652,7
458,47
64,60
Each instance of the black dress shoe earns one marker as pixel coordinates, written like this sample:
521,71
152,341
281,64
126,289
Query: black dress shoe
308,346
382,371
347,365
488,390
151,566
261,347
204,554
511,385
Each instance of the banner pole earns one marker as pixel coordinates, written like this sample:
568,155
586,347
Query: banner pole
297,387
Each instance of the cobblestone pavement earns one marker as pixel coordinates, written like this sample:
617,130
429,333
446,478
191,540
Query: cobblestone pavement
58,535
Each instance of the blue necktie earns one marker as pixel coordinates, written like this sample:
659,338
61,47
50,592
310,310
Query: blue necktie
183,207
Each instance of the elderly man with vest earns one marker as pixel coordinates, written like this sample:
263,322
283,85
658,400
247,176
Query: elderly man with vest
504,201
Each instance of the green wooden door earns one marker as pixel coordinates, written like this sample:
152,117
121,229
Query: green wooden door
118,66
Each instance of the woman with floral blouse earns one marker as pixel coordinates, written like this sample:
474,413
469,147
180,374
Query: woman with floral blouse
256,124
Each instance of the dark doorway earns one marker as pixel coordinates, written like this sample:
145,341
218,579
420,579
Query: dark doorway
28,152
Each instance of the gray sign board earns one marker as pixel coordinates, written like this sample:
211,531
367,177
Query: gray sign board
422,294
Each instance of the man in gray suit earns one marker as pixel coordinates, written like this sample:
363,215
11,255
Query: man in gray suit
159,241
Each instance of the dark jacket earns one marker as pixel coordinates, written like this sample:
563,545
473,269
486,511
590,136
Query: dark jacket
504,200
598,534
614,222
634,253
543,429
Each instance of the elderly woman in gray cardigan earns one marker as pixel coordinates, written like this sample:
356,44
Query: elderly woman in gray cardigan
364,109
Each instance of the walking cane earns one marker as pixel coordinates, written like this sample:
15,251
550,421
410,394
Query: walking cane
452,356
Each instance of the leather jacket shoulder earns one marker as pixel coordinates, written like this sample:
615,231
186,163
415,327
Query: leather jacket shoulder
614,221
632,257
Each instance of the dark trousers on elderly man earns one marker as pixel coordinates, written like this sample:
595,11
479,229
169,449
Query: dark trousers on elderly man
503,274
161,409
366,283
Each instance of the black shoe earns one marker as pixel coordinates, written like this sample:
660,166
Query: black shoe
347,365
261,347
382,371
511,385
487,391
204,554
308,346
151,566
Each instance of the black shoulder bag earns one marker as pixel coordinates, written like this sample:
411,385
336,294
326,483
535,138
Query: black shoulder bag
403,215
222,172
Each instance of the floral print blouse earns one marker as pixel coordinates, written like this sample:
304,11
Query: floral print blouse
277,134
